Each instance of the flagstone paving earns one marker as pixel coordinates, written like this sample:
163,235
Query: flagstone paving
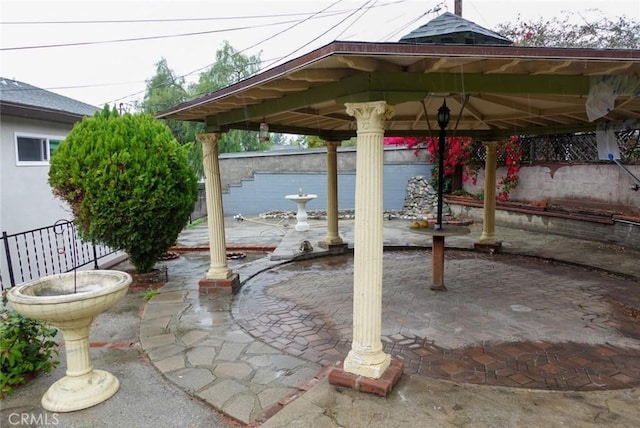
505,320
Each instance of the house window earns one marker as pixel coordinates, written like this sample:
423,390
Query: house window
35,149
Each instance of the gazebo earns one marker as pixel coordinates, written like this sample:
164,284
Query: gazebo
373,90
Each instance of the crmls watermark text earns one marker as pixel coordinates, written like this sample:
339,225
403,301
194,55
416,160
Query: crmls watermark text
30,419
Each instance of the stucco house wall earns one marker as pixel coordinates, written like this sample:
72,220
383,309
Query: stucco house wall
26,198
26,201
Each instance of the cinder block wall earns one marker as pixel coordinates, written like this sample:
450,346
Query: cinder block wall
254,183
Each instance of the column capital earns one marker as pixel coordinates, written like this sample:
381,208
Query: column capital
371,115
208,138
491,145
332,145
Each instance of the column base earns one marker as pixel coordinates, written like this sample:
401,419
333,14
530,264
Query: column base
382,387
340,248
210,286
489,247
73,393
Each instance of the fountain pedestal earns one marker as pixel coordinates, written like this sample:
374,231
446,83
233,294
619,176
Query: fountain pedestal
70,302
437,251
301,216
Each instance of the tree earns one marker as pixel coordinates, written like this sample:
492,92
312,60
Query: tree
230,67
164,90
128,183
568,32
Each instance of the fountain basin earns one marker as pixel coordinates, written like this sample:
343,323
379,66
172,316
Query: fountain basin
52,299
301,200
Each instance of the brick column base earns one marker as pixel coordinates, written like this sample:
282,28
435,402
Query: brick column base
381,387
334,248
209,286
489,248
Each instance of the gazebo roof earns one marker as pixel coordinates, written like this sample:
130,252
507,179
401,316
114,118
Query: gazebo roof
453,29
493,91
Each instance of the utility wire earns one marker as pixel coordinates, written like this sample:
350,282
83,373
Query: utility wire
142,21
290,27
135,39
321,14
393,34
293,52
317,37
360,9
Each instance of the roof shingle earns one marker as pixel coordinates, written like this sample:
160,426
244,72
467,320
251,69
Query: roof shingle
22,94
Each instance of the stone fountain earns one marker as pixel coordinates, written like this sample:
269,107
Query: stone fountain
70,302
301,200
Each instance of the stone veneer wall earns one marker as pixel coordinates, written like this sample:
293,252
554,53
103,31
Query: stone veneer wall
421,199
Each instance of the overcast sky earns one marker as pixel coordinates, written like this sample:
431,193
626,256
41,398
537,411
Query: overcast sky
98,70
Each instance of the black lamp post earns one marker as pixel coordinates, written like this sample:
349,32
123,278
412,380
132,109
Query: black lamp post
443,121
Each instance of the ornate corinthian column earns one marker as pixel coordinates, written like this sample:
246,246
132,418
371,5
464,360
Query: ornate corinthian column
366,357
215,219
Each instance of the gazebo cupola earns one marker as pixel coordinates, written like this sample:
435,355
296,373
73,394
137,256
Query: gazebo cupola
450,29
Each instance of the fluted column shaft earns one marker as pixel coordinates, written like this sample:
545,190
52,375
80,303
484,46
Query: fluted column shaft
489,206
366,357
218,268
332,238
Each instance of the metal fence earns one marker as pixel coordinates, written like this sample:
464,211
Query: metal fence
27,256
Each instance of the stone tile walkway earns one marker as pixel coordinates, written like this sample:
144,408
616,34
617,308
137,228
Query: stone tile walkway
193,340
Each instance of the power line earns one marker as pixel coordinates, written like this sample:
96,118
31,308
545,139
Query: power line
274,61
136,39
290,27
316,38
142,21
321,14
434,9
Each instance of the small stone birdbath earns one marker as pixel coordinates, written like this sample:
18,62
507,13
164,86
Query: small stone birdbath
301,200
70,302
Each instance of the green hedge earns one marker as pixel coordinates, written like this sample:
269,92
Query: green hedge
128,183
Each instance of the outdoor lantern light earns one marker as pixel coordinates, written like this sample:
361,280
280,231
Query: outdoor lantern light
443,121
264,132
443,115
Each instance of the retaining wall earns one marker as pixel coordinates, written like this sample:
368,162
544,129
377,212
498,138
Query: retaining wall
600,229
593,185
258,182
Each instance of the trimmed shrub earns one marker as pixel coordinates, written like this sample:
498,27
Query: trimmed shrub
128,182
